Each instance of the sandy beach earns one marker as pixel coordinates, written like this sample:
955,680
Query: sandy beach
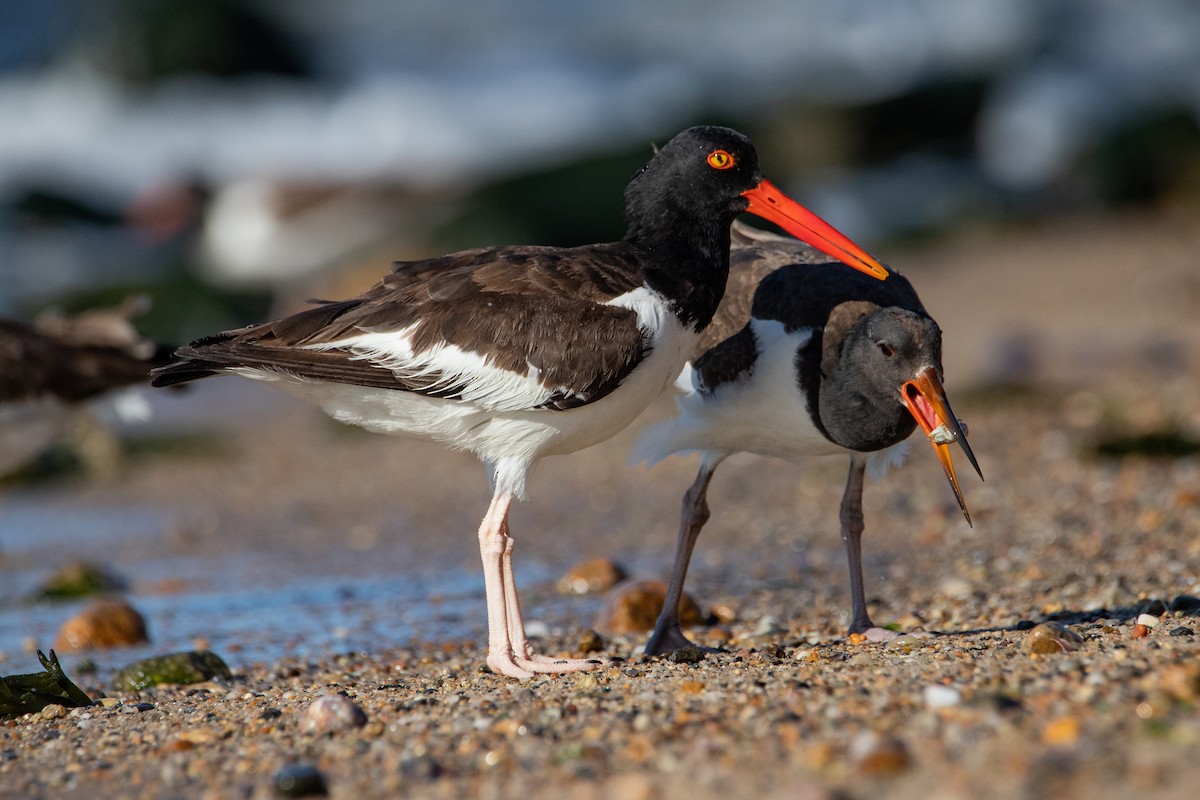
1056,339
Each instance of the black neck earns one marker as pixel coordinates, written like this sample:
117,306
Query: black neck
686,261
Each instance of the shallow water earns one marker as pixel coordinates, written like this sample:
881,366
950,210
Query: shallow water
248,606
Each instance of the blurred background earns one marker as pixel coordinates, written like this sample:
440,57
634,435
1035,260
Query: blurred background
1032,165
219,154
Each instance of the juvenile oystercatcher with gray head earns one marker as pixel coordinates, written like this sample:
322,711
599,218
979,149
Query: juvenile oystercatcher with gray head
823,361
516,353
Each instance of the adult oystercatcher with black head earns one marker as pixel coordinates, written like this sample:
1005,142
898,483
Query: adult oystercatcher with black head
516,353
824,361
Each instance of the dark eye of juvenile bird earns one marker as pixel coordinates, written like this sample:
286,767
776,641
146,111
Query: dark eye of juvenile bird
886,349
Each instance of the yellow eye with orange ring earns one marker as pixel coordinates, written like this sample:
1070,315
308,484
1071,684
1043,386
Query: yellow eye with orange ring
721,159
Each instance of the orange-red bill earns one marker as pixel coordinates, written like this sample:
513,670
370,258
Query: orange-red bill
926,401
768,202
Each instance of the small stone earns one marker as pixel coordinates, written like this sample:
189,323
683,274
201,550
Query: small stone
1052,637
590,642
54,711
332,713
1061,732
1154,607
1182,630
938,696
79,579
769,626
1185,604
185,668
878,755
1149,620
634,606
1140,631
593,575
105,622
687,655
903,643
300,780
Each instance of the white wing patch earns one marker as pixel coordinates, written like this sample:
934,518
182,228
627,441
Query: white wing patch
472,377
446,367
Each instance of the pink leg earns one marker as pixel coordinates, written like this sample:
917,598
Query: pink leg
508,648
522,653
492,542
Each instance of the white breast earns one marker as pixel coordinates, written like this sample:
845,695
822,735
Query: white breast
762,412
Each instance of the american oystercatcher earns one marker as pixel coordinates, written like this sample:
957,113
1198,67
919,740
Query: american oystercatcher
516,353
806,358
51,369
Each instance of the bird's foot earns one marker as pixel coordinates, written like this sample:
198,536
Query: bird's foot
536,662
530,664
669,639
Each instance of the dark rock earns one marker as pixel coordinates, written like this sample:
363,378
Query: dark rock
178,668
79,579
1154,607
421,768
687,655
1185,603
1182,630
300,780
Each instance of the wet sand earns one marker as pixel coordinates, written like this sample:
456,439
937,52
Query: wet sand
794,709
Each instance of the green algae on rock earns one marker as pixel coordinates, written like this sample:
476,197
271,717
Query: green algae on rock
25,694
193,666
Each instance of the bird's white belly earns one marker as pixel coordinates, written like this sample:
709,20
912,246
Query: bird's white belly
763,412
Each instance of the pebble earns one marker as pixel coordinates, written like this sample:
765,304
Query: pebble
904,643
591,576
332,713
300,780
633,607
105,622
941,696
879,755
590,642
1139,631
1149,620
1052,637
54,711
1182,630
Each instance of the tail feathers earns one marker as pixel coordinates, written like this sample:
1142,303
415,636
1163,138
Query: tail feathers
659,441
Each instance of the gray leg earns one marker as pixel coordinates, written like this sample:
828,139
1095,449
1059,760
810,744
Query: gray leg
852,528
667,635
